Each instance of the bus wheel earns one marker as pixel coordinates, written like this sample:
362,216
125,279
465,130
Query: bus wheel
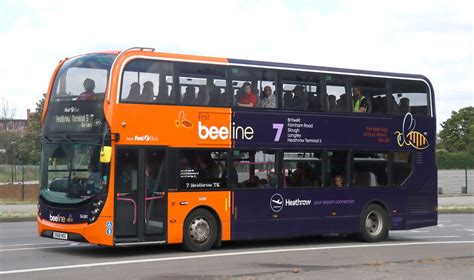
200,231
373,224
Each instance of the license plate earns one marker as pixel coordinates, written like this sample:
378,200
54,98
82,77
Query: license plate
60,235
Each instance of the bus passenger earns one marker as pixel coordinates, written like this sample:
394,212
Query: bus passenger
147,93
360,102
189,95
249,99
202,96
134,94
341,104
287,100
88,94
269,99
404,106
332,102
339,181
300,101
163,96
214,94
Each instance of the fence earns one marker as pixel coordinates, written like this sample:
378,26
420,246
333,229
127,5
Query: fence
19,173
456,181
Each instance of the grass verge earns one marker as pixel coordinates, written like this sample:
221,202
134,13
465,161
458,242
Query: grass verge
17,217
16,202
466,209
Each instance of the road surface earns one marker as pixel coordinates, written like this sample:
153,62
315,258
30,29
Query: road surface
442,252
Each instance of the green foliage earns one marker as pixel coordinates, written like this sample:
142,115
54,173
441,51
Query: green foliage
28,147
457,131
454,160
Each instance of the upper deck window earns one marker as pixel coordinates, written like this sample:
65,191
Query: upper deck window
203,85
83,78
410,97
369,95
148,81
254,88
301,91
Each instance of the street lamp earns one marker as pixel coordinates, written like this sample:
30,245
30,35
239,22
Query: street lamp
13,159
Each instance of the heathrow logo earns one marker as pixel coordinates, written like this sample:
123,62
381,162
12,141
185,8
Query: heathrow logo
276,202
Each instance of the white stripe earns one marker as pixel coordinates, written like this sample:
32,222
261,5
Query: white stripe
37,248
194,256
31,244
436,236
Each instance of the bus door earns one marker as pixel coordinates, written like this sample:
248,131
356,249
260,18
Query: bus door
140,195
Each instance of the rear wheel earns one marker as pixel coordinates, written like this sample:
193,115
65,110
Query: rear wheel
200,231
373,224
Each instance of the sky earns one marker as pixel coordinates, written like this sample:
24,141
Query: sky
432,38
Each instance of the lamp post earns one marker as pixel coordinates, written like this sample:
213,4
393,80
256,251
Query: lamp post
13,159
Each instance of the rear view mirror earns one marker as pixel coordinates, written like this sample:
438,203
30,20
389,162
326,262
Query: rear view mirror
105,154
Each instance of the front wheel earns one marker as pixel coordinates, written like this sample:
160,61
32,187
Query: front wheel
200,231
373,224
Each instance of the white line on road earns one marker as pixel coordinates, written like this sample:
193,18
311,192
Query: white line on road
437,236
37,248
416,231
31,244
202,256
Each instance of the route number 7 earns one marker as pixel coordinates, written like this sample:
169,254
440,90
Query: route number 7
279,128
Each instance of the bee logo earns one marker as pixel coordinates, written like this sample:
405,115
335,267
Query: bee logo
409,136
182,121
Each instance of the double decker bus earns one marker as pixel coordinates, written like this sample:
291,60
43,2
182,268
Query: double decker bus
144,147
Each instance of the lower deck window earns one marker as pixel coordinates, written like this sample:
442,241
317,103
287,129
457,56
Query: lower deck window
202,169
253,169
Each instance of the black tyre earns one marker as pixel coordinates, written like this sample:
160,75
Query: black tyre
199,231
373,224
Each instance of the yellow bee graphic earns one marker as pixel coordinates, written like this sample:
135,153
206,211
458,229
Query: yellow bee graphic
182,121
409,136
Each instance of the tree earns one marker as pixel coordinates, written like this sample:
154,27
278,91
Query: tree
455,130
7,110
29,146
7,137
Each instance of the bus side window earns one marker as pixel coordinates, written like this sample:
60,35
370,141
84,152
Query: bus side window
401,167
147,81
202,85
249,88
410,97
302,169
336,98
254,169
202,169
371,92
301,91
337,169
370,169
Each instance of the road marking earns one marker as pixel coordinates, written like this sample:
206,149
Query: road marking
37,248
202,256
437,236
466,229
30,244
417,231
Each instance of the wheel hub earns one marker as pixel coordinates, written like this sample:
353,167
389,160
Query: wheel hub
373,223
199,230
